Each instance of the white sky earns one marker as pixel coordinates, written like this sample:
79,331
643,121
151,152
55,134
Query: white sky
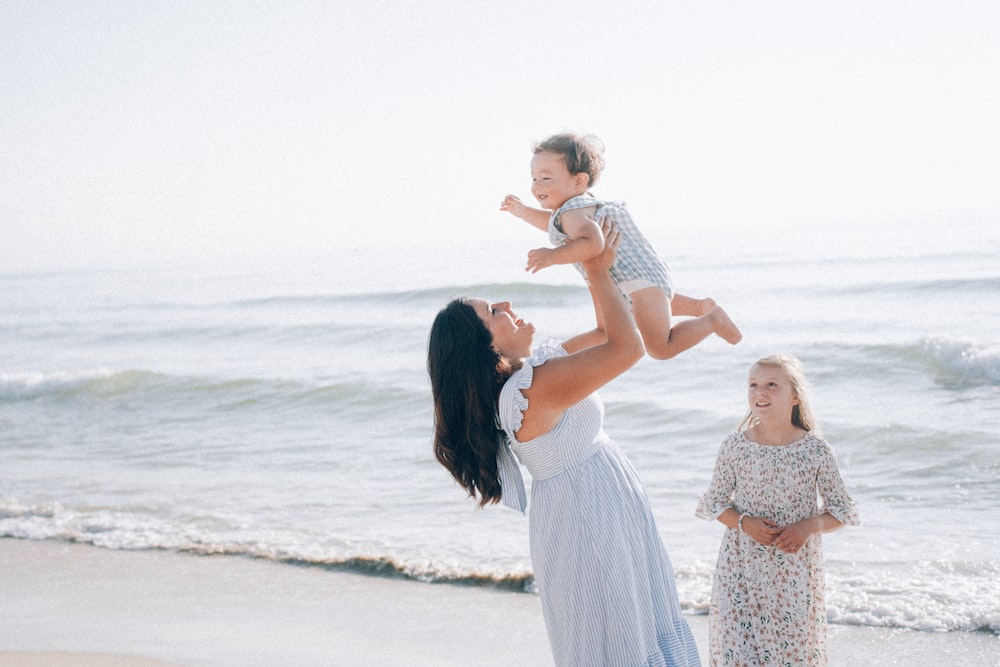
139,130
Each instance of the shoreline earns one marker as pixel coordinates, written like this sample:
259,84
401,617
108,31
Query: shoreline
75,604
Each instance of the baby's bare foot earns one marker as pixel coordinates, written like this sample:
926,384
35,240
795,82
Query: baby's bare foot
704,306
687,306
724,326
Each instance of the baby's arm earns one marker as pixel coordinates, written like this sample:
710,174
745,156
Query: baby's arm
585,241
536,217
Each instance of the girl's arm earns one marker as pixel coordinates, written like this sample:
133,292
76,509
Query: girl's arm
840,507
564,381
717,501
536,217
762,530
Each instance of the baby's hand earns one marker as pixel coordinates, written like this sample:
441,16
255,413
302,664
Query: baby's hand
538,259
513,205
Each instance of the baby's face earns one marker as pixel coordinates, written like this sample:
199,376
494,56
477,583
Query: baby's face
551,183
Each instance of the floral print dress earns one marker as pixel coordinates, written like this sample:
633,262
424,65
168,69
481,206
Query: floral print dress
768,607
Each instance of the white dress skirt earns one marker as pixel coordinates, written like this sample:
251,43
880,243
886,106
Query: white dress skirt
607,586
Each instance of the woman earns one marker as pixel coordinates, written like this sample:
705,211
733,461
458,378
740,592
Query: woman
606,583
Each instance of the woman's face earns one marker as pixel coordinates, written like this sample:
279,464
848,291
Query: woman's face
512,336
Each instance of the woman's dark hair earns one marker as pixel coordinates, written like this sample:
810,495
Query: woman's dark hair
466,376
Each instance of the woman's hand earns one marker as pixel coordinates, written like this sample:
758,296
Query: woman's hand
601,263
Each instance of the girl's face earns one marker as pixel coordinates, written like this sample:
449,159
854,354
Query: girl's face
770,394
551,183
512,336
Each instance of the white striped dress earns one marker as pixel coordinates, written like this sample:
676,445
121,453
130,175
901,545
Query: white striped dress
606,583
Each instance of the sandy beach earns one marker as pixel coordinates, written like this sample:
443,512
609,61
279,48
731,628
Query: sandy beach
70,604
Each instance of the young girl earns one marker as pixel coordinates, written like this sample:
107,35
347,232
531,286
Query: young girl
776,487
563,169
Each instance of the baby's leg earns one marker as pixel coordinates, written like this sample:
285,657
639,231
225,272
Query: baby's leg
691,307
665,340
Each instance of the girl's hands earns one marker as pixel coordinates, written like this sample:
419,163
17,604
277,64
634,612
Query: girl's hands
791,539
763,531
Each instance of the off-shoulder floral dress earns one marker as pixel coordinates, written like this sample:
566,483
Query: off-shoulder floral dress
768,607
607,586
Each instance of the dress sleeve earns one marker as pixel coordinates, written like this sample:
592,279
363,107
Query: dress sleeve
513,403
831,488
719,496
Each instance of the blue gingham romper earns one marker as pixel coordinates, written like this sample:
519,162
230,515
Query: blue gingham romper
636,258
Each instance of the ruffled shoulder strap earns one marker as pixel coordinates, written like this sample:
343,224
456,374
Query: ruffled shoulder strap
511,407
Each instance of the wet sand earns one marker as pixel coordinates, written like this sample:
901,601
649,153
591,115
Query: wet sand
76,605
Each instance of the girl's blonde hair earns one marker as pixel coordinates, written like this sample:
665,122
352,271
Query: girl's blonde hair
802,414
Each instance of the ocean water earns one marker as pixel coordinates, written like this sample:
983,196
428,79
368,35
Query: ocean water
281,409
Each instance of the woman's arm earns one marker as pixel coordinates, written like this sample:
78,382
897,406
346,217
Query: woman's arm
590,338
564,381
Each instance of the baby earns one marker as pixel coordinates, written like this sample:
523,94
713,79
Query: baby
563,169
